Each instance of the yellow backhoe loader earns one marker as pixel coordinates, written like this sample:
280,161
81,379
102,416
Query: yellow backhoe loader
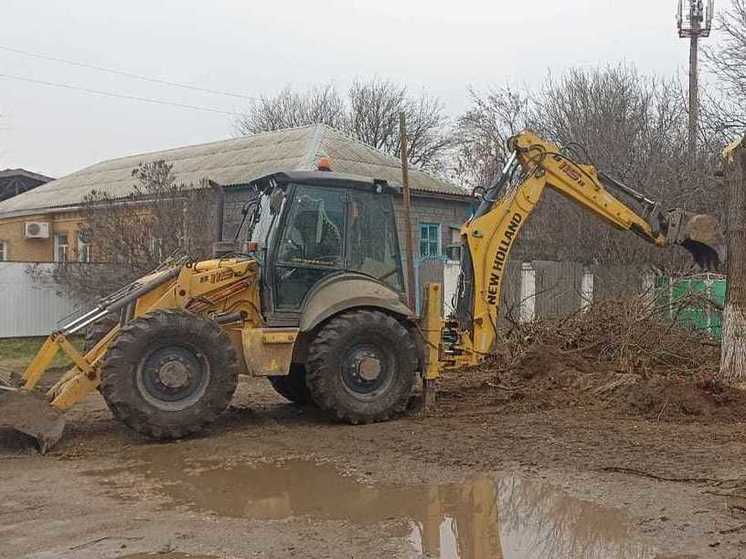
312,298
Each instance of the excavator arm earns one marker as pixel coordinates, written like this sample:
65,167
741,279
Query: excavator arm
489,235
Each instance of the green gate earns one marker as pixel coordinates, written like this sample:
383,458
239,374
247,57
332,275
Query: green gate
693,301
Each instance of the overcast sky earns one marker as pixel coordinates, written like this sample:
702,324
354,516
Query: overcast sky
254,47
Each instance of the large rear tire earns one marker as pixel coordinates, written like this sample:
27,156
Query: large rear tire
169,373
361,367
293,385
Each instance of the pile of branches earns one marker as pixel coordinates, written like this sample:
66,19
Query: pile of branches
631,334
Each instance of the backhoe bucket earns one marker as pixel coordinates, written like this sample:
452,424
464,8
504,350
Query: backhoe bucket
701,235
29,413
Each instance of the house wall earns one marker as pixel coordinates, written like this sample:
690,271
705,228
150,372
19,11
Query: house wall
21,249
448,212
235,198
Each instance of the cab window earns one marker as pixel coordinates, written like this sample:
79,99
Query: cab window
374,246
314,231
312,243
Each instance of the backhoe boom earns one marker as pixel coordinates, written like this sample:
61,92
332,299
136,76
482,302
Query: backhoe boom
489,235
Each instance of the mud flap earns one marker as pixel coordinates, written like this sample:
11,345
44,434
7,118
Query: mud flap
31,414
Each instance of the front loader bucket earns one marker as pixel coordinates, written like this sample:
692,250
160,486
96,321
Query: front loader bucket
29,413
701,235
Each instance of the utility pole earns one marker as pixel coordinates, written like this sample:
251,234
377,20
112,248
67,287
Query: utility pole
411,295
695,24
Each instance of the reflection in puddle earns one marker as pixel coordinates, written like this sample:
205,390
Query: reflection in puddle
510,518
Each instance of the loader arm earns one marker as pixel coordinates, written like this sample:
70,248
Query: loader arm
489,235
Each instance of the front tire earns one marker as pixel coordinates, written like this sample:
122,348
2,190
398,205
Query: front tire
361,367
169,373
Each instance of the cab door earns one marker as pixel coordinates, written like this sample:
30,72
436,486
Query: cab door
311,245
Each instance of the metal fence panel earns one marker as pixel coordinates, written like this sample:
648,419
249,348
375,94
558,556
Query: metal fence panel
617,281
29,307
558,286
427,270
510,304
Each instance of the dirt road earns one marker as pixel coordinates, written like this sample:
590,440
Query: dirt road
273,480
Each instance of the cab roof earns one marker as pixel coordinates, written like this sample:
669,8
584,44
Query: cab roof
332,179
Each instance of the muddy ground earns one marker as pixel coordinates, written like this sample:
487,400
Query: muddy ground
666,456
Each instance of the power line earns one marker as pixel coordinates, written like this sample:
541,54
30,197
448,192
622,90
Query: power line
126,74
119,95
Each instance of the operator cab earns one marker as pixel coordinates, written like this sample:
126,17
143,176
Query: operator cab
310,226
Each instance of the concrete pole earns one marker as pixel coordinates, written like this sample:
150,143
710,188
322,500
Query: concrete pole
693,92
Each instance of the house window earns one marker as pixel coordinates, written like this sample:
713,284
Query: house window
3,251
429,240
453,249
60,248
84,248
453,252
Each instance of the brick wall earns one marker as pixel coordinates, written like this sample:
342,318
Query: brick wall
235,198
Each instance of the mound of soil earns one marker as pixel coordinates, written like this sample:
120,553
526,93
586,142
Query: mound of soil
681,400
545,377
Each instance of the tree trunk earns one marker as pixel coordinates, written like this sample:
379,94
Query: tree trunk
733,357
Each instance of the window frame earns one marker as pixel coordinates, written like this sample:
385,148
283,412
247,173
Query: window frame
84,250
4,257
439,239
58,245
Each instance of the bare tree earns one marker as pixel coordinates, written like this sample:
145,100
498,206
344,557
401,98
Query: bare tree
634,127
727,63
130,236
482,132
288,109
369,112
733,354
374,119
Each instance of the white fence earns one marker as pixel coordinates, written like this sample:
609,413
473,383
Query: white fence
542,288
29,307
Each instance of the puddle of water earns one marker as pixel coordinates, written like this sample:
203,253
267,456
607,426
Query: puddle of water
509,518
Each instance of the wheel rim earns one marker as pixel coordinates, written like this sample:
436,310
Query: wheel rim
366,369
173,377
